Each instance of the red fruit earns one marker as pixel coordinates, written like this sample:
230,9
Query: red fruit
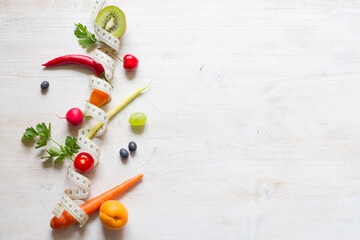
74,116
130,63
83,162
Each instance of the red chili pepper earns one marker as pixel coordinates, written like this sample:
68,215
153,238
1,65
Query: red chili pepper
80,60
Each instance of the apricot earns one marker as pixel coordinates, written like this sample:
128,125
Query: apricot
113,214
99,98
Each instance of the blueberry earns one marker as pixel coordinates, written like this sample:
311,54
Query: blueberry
124,153
132,146
44,85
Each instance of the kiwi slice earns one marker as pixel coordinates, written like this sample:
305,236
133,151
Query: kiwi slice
112,19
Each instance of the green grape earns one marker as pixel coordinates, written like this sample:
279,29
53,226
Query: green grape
137,119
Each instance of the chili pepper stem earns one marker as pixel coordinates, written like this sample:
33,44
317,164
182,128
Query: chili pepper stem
120,105
103,77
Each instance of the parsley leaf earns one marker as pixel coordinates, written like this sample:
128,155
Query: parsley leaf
80,31
71,145
86,38
53,152
29,133
40,143
43,133
59,158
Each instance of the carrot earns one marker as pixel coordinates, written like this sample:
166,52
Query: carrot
94,204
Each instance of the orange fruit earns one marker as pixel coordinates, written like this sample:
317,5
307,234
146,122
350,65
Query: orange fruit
99,98
113,215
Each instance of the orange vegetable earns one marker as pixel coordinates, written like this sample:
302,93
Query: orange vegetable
99,98
113,215
94,204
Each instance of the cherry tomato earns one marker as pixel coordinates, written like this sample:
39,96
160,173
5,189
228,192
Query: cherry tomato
83,162
130,63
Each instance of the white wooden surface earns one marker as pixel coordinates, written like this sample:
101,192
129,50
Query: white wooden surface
253,125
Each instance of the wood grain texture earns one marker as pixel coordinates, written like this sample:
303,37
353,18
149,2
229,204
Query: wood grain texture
253,119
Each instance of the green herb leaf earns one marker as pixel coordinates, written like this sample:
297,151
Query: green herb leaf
60,158
29,133
86,38
80,31
44,135
86,42
71,146
40,143
53,152
43,130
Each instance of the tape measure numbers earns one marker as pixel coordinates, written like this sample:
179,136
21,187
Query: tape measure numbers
82,183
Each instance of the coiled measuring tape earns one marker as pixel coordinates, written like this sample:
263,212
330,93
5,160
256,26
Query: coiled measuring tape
83,184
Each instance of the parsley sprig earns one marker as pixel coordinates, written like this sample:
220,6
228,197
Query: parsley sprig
86,38
43,134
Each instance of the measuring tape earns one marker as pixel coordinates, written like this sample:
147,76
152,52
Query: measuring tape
83,184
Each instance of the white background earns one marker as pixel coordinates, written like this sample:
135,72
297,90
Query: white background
253,119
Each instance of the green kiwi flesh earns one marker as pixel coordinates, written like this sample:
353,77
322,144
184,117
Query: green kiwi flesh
112,19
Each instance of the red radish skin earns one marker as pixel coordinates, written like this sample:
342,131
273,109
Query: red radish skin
74,116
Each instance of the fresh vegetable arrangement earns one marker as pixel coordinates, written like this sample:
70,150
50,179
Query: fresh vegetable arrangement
88,39
83,153
94,204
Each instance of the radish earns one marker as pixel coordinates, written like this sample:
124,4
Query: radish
74,116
